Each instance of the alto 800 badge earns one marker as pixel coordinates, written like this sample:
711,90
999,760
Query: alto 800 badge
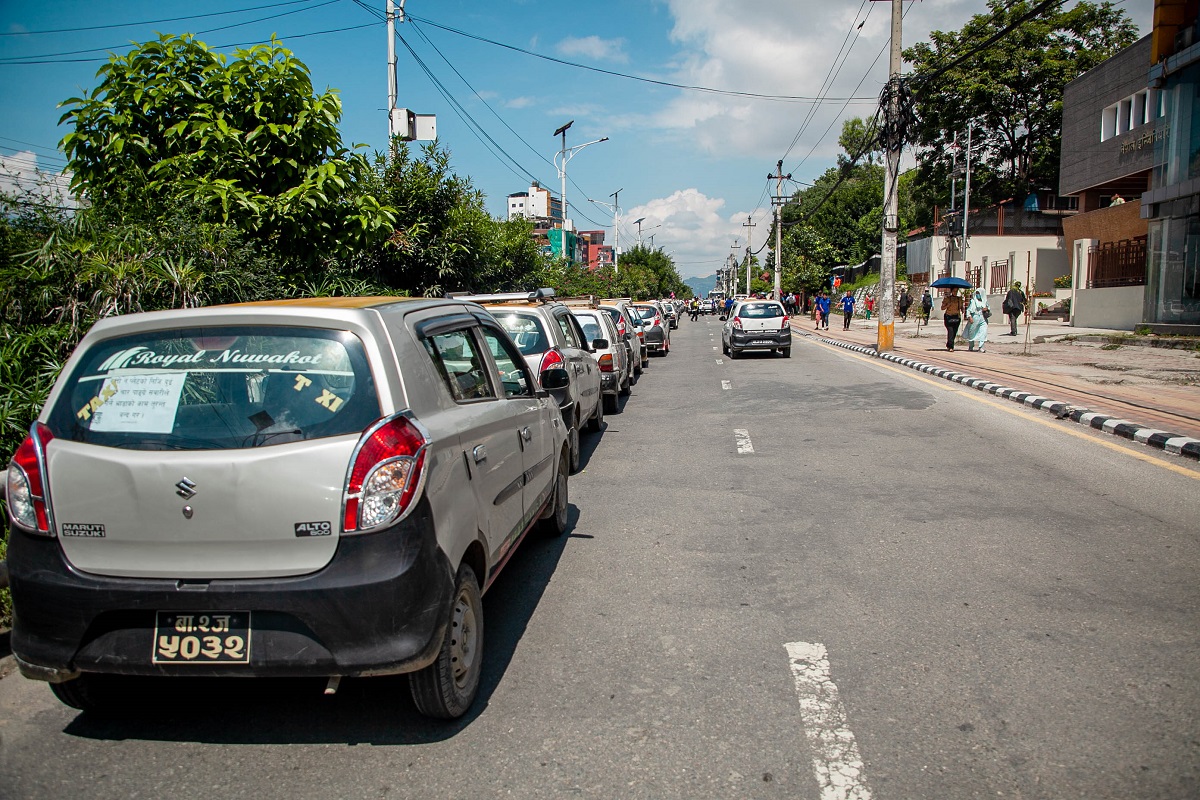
314,529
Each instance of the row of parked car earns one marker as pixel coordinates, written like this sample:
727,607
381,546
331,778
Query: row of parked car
315,487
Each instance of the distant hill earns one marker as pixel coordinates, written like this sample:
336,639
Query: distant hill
703,285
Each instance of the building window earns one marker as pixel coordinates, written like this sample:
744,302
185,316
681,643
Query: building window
1108,124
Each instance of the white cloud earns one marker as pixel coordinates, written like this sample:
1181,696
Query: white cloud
690,226
21,177
594,47
520,102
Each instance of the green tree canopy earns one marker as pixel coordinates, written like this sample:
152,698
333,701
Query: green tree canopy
1011,93
244,138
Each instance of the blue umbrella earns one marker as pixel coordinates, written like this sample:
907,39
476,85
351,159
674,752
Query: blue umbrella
952,282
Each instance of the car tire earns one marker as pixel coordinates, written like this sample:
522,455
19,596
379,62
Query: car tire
733,354
625,390
611,404
90,693
447,687
573,439
555,524
596,423
786,352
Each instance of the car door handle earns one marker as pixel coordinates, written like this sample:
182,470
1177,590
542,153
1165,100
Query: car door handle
479,454
525,434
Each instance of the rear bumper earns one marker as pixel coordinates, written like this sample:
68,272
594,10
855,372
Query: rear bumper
608,382
378,607
761,340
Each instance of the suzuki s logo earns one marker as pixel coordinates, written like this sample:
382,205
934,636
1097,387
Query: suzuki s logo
186,489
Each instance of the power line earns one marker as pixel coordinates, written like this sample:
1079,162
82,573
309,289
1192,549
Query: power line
90,28
668,84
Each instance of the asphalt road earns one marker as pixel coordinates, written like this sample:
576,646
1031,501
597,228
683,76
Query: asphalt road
784,576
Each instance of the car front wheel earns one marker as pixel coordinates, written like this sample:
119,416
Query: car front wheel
447,687
556,523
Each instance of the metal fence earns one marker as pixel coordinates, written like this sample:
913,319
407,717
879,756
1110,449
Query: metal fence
999,279
1120,263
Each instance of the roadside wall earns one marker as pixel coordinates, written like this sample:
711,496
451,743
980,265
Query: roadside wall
1111,224
1119,308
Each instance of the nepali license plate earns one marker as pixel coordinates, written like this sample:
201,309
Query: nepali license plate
763,341
202,637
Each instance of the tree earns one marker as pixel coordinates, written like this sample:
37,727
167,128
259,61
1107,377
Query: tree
1010,91
243,139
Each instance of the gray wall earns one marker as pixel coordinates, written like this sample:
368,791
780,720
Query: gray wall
1086,161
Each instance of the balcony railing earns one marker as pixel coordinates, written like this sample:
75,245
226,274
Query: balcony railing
1120,263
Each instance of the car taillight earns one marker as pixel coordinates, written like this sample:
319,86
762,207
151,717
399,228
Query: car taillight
658,320
785,323
386,476
621,327
737,323
26,488
552,358
606,362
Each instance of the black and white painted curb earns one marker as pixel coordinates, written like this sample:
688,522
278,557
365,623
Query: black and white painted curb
1173,443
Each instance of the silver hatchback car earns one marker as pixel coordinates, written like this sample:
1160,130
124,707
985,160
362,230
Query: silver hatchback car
298,488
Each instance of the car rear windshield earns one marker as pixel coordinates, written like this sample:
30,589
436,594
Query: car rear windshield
646,312
217,388
753,310
591,327
526,330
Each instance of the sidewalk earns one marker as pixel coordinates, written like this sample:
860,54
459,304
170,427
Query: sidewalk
1147,394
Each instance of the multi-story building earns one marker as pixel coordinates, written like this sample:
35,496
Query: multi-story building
1172,205
536,204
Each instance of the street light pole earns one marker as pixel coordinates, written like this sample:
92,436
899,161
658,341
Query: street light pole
564,155
616,230
749,224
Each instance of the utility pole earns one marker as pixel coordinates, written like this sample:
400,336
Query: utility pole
616,231
886,332
777,201
749,225
966,202
392,88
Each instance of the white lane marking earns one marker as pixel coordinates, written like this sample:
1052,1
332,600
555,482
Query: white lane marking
726,385
714,347
719,361
836,763
744,445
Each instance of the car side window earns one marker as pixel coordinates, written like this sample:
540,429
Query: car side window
570,329
514,374
458,361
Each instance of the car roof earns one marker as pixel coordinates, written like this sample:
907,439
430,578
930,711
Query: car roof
329,302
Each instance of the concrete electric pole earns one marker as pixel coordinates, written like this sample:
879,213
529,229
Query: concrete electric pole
749,225
616,230
777,201
886,335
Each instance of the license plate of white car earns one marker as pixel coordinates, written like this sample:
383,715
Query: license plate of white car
202,637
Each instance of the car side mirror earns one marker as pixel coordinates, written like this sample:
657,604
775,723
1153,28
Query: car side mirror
555,378
628,336
599,344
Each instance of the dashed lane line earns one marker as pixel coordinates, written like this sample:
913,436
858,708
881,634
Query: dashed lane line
744,445
836,762
726,385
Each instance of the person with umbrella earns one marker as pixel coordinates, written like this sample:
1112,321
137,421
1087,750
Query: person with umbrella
952,305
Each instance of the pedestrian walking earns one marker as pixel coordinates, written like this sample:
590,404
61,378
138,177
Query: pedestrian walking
951,317
903,303
1013,307
847,310
870,306
823,311
977,322
926,305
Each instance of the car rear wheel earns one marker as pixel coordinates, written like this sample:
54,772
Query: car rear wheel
786,352
596,423
447,687
733,354
556,523
573,439
611,404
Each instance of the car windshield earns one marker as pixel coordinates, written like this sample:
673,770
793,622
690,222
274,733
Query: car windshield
591,327
526,330
646,312
753,310
216,389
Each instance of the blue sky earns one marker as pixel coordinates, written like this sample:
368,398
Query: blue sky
693,164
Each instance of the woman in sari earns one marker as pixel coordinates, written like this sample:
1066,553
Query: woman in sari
976,330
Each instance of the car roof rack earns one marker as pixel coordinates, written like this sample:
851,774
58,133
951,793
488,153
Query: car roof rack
581,301
536,296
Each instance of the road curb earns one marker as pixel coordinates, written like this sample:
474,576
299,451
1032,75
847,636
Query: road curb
1173,443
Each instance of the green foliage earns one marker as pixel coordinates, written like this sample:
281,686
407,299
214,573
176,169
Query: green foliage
444,239
244,140
1011,92
1063,282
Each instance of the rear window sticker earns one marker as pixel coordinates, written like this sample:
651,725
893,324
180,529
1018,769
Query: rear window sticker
136,403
